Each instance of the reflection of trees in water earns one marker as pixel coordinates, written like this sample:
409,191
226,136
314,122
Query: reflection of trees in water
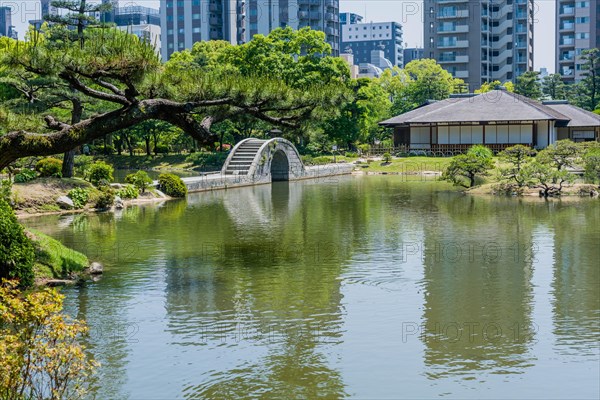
576,284
477,313
274,290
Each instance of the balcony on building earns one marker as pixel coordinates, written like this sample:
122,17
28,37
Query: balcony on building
567,10
567,25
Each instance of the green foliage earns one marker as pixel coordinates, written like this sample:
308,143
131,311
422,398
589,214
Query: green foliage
587,91
49,167
469,167
172,185
16,250
41,355
307,159
322,160
80,197
106,198
207,160
553,87
480,150
6,190
100,173
387,157
495,85
351,154
161,149
364,148
26,175
528,85
545,177
591,162
82,163
140,180
128,192
516,156
561,154
53,259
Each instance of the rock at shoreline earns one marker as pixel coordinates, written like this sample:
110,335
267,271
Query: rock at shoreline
95,268
59,282
65,202
119,205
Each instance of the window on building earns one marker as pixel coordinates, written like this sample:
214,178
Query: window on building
196,30
582,20
195,16
582,35
583,4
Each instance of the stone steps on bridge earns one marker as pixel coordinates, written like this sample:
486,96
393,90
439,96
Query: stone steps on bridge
242,159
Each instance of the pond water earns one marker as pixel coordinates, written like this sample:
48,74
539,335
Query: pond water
366,287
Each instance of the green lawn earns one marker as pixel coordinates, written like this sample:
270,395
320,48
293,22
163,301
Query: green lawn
409,165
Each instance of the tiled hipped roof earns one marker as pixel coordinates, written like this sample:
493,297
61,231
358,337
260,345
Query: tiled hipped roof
494,106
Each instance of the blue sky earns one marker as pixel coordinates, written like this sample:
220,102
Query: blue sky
408,13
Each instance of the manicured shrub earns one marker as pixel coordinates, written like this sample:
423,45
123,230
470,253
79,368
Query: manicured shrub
100,173
49,167
140,180
322,160
128,192
82,164
172,185
16,250
480,150
106,198
351,154
161,149
80,197
207,160
25,175
387,157
307,159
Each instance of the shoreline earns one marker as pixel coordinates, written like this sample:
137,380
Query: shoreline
571,192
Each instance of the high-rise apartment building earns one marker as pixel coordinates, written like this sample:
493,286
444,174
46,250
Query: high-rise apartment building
185,22
363,38
412,53
6,27
479,40
577,29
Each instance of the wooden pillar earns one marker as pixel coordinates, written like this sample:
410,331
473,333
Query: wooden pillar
430,135
484,133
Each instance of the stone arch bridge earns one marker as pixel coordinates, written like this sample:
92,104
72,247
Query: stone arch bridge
255,161
265,160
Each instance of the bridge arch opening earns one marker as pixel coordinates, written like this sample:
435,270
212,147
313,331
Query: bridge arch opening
280,167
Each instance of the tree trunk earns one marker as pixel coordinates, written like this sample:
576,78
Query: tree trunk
147,139
471,180
69,156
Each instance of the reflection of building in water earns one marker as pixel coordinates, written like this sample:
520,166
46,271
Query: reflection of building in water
477,313
576,287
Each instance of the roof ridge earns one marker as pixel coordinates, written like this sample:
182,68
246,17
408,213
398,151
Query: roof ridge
539,106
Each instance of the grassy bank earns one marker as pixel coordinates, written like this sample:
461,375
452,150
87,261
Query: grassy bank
53,260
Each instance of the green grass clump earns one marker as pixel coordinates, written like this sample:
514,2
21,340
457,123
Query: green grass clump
53,259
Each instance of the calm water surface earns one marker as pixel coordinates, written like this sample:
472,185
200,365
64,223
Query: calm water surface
365,287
